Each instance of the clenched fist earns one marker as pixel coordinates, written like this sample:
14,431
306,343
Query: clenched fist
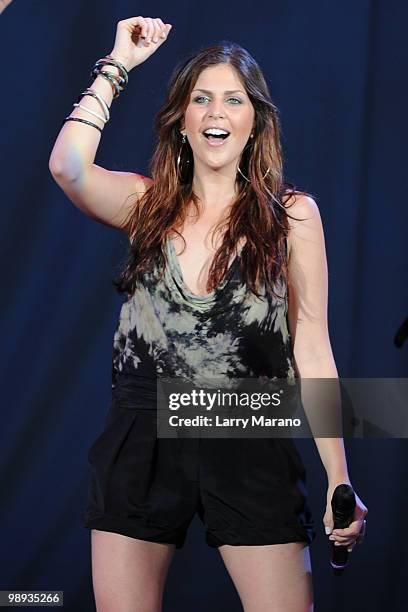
138,38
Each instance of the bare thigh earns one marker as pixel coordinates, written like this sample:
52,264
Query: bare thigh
128,574
271,578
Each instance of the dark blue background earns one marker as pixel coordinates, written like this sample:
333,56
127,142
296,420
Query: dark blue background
337,72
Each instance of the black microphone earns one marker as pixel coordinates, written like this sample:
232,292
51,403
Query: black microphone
343,504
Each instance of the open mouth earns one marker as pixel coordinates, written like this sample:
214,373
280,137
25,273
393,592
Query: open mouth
215,136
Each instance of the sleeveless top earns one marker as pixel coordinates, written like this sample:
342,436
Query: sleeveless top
166,330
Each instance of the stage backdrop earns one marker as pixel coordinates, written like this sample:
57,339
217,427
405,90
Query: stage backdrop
337,72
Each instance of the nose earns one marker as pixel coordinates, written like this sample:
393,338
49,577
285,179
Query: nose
215,109
216,115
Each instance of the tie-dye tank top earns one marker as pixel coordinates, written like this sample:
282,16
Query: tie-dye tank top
166,330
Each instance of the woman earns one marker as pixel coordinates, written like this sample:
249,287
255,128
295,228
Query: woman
217,308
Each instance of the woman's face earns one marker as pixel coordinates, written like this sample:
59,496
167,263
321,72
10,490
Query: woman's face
218,100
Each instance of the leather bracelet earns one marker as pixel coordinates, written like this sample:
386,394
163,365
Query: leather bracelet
83,121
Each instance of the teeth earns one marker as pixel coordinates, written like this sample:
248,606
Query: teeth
216,132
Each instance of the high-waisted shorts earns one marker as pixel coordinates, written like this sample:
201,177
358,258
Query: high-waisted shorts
246,491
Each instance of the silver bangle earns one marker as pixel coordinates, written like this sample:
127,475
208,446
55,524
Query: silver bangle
91,112
97,96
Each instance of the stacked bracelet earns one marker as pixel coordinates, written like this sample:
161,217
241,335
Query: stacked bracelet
111,61
118,83
91,112
112,80
98,97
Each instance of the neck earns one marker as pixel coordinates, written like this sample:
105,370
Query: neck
215,189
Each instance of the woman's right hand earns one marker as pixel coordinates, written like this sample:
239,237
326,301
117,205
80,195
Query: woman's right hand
137,39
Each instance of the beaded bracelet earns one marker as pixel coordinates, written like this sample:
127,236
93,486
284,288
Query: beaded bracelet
83,121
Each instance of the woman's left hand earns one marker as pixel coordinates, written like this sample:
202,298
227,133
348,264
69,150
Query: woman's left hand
352,534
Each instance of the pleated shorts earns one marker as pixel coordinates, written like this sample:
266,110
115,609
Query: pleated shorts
246,491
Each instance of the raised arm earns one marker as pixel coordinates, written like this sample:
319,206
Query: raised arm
104,195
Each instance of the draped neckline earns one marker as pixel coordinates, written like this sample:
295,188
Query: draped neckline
177,273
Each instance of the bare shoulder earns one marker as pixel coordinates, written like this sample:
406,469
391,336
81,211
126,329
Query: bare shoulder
304,216
308,284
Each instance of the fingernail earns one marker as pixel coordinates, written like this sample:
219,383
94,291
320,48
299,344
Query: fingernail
327,529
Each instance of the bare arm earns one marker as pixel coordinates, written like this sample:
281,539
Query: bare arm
102,194
308,285
307,316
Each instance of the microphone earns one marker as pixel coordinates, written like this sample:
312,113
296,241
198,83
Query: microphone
343,504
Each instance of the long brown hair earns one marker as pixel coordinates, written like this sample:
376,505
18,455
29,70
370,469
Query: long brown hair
258,212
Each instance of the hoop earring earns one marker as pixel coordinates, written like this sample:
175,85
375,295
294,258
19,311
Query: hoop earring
239,170
243,176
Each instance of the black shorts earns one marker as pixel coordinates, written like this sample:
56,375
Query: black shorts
246,491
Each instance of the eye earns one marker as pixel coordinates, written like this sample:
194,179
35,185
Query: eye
197,98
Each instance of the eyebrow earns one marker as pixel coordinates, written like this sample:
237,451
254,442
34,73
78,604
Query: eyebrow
229,91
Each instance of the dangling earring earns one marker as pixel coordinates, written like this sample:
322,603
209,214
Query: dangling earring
183,141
